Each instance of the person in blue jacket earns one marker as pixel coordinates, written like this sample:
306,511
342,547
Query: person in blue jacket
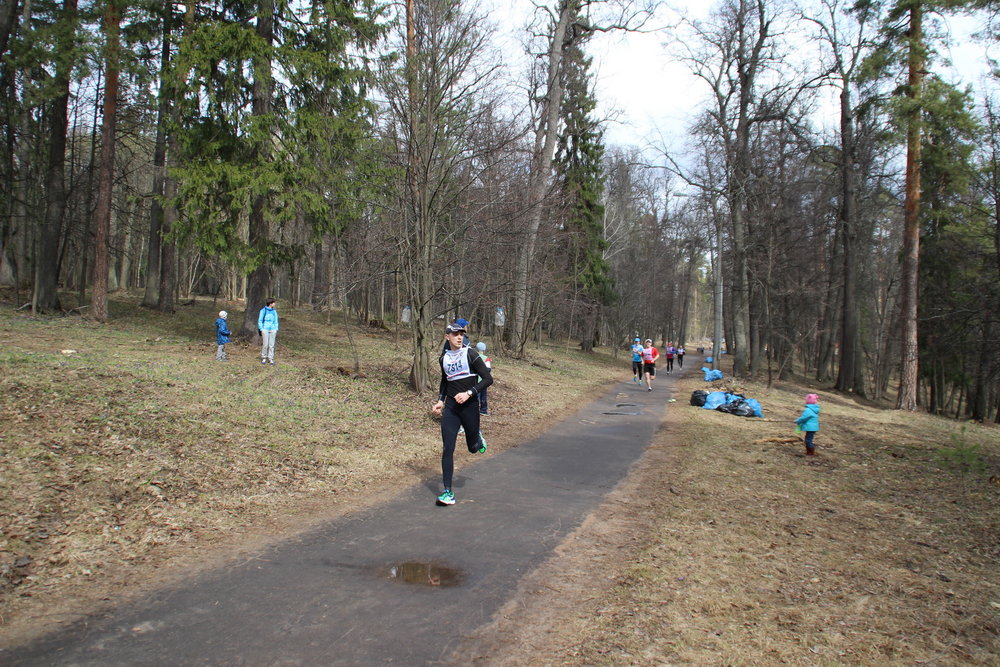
222,335
637,361
267,324
809,421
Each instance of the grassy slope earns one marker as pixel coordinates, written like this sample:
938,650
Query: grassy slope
126,447
728,546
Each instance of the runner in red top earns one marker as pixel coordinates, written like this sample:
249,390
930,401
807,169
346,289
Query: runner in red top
649,356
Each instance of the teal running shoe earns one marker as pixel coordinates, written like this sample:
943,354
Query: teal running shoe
482,444
446,498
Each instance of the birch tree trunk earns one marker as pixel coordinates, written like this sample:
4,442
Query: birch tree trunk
153,249
541,173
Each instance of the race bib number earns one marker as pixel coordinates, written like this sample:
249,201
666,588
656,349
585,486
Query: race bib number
456,364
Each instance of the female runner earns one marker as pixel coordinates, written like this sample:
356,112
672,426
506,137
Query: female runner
458,403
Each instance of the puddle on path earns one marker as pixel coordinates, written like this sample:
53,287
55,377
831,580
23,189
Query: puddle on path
423,574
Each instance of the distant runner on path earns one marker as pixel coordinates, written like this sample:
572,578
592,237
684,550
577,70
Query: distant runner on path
458,403
637,361
649,356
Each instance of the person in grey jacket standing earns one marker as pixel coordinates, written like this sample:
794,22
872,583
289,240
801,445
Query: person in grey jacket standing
267,324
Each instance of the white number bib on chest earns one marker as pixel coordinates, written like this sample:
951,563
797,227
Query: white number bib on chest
456,364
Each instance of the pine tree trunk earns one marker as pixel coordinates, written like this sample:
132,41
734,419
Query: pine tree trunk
45,298
168,254
106,167
908,372
321,276
263,91
849,374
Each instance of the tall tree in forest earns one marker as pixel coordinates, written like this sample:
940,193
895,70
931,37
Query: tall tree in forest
906,43
56,90
579,163
564,25
106,166
731,54
985,390
246,141
952,244
443,95
847,42
549,101
163,108
261,153
906,399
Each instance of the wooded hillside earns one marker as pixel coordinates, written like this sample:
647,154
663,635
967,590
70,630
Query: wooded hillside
387,160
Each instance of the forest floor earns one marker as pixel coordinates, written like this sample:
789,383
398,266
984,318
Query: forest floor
130,458
727,545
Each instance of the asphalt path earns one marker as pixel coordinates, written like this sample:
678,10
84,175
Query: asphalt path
398,583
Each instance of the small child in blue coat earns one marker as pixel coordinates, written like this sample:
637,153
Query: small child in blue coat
222,335
809,422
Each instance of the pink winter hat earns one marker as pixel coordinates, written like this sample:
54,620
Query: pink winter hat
812,398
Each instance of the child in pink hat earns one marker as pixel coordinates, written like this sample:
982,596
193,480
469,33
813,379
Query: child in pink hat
809,422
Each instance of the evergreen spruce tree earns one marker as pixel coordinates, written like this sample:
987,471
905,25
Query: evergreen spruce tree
579,162
274,107
952,244
907,49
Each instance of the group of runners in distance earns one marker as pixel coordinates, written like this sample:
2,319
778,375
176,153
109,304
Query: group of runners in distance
644,357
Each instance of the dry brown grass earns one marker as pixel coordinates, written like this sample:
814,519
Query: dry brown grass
136,457
728,546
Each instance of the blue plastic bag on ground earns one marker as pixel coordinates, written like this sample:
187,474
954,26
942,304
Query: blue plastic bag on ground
734,404
715,399
711,375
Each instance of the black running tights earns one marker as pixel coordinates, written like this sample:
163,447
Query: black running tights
452,417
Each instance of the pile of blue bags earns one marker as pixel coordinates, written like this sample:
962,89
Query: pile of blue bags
710,374
724,401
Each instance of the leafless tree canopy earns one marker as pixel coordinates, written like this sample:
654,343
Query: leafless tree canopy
389,163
